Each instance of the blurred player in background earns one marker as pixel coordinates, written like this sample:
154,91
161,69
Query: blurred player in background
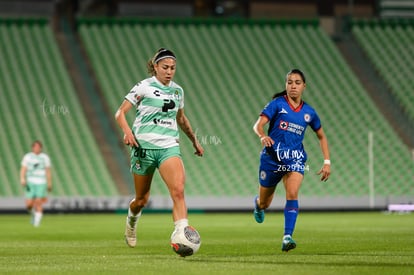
154,139
35,176
283,156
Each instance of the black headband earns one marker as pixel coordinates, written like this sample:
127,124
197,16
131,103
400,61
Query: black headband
163,53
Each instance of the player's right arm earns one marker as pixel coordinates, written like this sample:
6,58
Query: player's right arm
258,128
49,179
120,117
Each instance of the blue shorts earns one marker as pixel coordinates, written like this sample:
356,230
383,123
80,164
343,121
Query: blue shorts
145,161
272,171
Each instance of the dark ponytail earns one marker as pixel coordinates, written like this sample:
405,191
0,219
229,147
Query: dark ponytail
283,93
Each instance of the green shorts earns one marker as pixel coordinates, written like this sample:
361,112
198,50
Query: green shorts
145,161
34,191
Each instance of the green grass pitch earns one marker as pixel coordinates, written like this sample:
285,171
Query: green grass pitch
327,243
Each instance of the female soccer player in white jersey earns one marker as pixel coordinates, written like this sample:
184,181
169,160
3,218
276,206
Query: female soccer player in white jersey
283,156
154,138
35,176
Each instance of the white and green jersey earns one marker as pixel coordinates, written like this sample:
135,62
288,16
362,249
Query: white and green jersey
155,125
36,167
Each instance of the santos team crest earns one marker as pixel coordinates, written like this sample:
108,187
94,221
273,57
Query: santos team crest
177,95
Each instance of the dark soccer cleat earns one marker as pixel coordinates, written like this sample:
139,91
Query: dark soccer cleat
258,213
288,243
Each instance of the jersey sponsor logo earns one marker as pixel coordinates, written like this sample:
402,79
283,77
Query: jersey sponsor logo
291,127
158,121
168,104
283,111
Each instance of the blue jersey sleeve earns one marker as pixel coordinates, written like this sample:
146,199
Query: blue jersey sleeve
270,109
315,122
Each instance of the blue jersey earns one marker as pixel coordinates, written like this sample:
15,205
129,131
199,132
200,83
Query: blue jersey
287,127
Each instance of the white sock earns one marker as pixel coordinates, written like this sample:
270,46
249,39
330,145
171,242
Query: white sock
133,219
181,223
37,218
130,214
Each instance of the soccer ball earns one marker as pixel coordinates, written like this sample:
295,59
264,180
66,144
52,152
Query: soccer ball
185,242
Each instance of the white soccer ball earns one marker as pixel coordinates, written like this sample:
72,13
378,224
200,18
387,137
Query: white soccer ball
185,242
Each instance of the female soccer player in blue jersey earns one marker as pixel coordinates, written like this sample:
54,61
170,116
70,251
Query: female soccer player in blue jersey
283,156
154,139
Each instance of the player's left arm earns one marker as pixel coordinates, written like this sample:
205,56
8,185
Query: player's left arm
49,178
185,125
326,168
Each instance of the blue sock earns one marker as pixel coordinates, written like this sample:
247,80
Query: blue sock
291,213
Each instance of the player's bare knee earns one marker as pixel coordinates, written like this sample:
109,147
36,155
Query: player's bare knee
177,193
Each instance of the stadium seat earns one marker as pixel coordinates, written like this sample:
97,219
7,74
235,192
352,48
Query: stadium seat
386,46
39,102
